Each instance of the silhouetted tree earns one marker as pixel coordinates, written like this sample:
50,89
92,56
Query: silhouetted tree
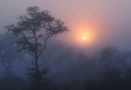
7,55
109,56
33,31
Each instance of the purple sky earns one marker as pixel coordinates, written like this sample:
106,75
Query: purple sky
111,18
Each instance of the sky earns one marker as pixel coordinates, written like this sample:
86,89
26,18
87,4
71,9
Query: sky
108,20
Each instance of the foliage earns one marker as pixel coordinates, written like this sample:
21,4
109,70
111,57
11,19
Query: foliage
33,31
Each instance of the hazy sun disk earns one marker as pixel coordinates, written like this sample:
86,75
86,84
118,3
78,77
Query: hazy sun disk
83,36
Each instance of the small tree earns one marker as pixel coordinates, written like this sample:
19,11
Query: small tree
33,31
7,55
109,56
7,58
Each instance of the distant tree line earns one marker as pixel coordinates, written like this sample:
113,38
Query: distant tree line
25,42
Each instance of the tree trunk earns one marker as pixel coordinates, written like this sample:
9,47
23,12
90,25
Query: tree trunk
36,77
36,65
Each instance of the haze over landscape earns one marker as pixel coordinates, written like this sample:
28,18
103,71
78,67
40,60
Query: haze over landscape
110,19
65,44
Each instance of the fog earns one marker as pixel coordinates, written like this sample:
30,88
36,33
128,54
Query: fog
110,18
64,65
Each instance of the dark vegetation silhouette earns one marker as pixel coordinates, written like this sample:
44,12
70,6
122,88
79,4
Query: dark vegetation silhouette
7,56
57,67
33,32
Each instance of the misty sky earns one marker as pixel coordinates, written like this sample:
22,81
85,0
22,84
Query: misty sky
111,18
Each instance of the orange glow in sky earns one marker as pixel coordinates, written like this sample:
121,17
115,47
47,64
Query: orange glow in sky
83,36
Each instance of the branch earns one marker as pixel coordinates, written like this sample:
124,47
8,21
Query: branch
36,42
45,45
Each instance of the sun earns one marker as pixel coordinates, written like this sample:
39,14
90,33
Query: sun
84,38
